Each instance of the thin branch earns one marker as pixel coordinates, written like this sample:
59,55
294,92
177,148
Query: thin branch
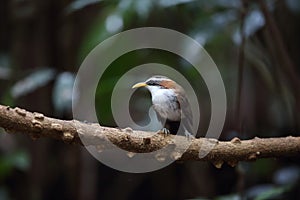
241,63
281,52
36,125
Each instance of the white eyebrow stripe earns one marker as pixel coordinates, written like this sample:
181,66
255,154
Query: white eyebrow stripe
158,78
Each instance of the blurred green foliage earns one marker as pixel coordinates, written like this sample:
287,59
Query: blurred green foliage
43,44
16,160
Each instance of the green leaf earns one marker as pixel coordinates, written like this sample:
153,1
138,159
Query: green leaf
35,80
273,193
80,4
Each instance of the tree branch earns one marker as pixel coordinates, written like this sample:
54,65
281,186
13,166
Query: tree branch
36,125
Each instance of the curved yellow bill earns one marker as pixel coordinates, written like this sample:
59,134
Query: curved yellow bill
142,84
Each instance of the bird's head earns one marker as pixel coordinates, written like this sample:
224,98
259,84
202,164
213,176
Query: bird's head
156,83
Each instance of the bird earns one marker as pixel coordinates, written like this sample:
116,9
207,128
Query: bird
170,104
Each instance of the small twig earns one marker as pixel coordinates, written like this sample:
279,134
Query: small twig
241,63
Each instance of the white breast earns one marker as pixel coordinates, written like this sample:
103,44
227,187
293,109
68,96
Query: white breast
165,103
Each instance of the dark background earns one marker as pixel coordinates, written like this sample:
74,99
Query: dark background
255,45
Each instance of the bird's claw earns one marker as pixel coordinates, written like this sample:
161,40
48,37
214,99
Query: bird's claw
164,131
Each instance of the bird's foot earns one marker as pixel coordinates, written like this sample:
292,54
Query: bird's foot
164,131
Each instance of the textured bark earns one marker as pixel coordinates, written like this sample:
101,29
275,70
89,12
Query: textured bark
36,125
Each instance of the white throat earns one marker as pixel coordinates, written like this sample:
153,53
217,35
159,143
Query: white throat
165,102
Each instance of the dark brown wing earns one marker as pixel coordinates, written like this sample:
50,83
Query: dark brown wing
186,112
